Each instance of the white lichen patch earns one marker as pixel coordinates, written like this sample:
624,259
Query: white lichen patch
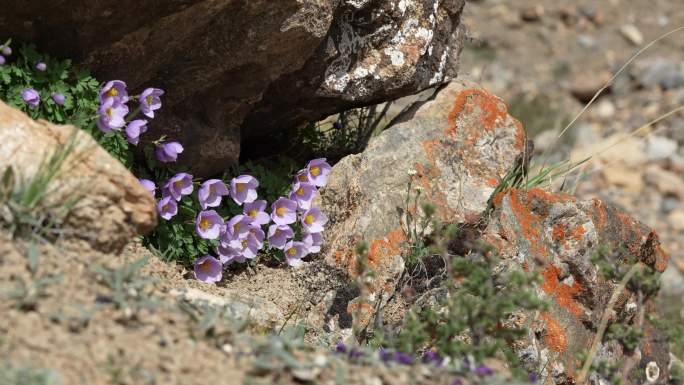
396,56
652,372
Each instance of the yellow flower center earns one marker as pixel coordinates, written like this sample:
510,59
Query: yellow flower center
110,112
252,213
165,207
244,243
205,266
204,224
309,219
112,92
292,251
148,99
300,191
178,183
315,170
237,226
240,187
302,178
280,211
277,232
211,189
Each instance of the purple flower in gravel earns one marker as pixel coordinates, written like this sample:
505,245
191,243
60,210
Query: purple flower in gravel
278,236
432,356
226,253
302,176
355,353
134,129
294,252
167,207
40,66
30,97
208,269
255,210
258,234
303,194
150,102
208,224
385,356
403,358
243,189
237,228
210,193
457,381
179,185
532,377
168,152
313,241
483,371
112,115
341,347
148,185
59,99
313,220
249,247
115,90
6,50
284,211
2,60
318,172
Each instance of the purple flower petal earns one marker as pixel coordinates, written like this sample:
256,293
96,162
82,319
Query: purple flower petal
134,129
243,189
168,152
59,99
318,172
148,185
209,224
40,66
30,97
211,193
208,269
167,207
284,211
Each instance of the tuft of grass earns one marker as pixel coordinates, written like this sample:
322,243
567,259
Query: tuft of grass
27,375
26,294
127,286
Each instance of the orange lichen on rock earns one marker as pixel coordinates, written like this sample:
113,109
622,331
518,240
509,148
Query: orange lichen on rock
543,195
578,232
492,182
554,338
529,223
491,109
559,233
562,293
388,246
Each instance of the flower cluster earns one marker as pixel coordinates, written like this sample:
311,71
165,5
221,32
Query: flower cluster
242,236
113,116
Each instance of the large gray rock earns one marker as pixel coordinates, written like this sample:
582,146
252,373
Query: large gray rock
243,71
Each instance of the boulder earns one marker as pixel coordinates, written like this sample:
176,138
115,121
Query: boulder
556,235
109,205
250,71
453,148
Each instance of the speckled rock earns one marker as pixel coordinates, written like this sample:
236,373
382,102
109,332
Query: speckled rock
453,148
557,235
242,71
110,207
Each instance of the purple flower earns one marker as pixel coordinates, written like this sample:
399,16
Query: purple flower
148,185
59,99
112,115
483,371
167,207
210,193
208,269
30,97
313,241
278,236
302,176
134,129
116,90
457,381
226,253
318,172
355,353
243,189
40,66
179,185
284,211
258,234
303,193
168,152
249,247
294,252
313,220
6,50
209,224
150,102
385,356
237,228
341,347
432,356
532,377
255,210
403,358
2,60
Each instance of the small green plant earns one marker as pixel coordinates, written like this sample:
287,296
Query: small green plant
418,227
26,295
128,288
27,375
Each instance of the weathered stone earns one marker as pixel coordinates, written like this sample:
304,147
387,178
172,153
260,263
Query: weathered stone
110,205
243,71
453,148
557,236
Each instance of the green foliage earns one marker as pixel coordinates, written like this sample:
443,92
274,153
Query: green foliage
26,294
417,228
127,286
26,375
467,322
